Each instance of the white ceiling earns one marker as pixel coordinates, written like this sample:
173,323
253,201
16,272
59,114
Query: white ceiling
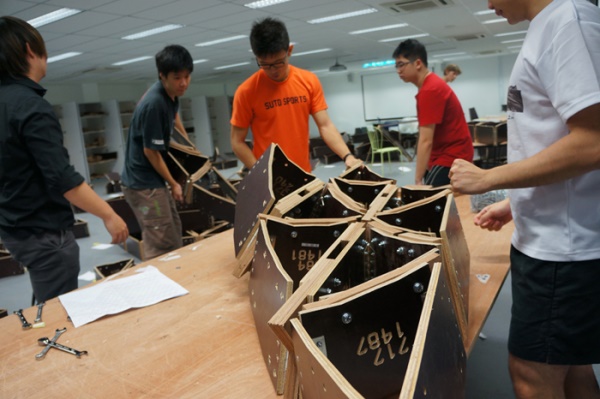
96,32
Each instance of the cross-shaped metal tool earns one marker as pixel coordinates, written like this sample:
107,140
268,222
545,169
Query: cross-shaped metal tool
51,343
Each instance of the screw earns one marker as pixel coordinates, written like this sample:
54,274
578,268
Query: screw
346,318
418,287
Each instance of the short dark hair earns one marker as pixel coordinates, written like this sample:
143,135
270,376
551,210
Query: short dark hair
269,36
174,58
15,34
412,50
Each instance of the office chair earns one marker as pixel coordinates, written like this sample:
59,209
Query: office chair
376,139
473,114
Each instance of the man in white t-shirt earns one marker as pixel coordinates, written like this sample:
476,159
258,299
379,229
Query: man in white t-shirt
554,177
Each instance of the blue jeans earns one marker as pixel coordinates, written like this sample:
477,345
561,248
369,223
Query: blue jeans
51,258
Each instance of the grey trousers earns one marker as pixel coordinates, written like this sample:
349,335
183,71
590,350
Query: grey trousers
52,260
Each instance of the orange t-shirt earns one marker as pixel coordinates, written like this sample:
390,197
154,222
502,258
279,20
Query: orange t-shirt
278,112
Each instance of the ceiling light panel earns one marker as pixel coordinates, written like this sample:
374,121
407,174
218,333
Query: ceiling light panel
342,16
378,28
223,40
510,33
53,17
231,65
264,3
393,39
151,32
321,50
63,56
494,21
131,61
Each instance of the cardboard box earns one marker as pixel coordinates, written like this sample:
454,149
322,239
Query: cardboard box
81,229
103,271
490,132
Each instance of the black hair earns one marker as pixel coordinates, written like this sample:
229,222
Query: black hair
412,50
174,58
268,37
15,34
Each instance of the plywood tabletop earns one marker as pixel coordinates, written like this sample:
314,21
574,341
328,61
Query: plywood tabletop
201,345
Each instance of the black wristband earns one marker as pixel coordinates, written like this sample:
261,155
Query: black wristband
346,156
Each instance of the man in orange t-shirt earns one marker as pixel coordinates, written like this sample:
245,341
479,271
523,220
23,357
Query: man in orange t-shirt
276,101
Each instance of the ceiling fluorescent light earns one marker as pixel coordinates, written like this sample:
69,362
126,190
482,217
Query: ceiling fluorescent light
131,61
358,32
199,61
512,41
484,12
510,33
449,54
151,32
53,17
494,21
321,50
342,16
264,3
393,39
63,56
218,41
231,65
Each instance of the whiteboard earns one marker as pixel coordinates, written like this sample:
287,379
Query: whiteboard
386,96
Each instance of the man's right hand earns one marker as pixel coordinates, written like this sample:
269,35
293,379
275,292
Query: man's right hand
117,228
177,192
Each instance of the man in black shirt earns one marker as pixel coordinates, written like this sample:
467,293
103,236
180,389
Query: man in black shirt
37,182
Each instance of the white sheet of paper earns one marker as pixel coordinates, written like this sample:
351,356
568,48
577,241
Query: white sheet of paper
147,287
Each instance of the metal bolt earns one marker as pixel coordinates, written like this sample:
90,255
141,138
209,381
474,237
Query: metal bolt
398,221
336,233
418,287
346,318
345,212
400,251
376,191
337,282
350,189
411,253
438,208
294,234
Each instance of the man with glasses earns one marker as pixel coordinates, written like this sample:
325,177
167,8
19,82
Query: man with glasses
443,132
276,102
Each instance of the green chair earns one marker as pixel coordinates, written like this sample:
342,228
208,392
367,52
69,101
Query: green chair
376,139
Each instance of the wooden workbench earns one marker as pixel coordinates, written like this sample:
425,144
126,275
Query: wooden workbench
201,345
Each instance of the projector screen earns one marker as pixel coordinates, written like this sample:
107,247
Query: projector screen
386,96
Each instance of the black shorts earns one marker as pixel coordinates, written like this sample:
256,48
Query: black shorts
555,310
437,176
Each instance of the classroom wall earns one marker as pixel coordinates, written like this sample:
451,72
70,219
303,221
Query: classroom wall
483,85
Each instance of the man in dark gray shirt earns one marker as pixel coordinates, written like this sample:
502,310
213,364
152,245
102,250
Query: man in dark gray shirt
145,173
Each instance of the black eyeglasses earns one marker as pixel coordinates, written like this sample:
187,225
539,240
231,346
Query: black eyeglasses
401,64
274,65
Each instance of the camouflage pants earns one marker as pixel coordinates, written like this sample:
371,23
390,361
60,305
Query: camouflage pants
157,216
